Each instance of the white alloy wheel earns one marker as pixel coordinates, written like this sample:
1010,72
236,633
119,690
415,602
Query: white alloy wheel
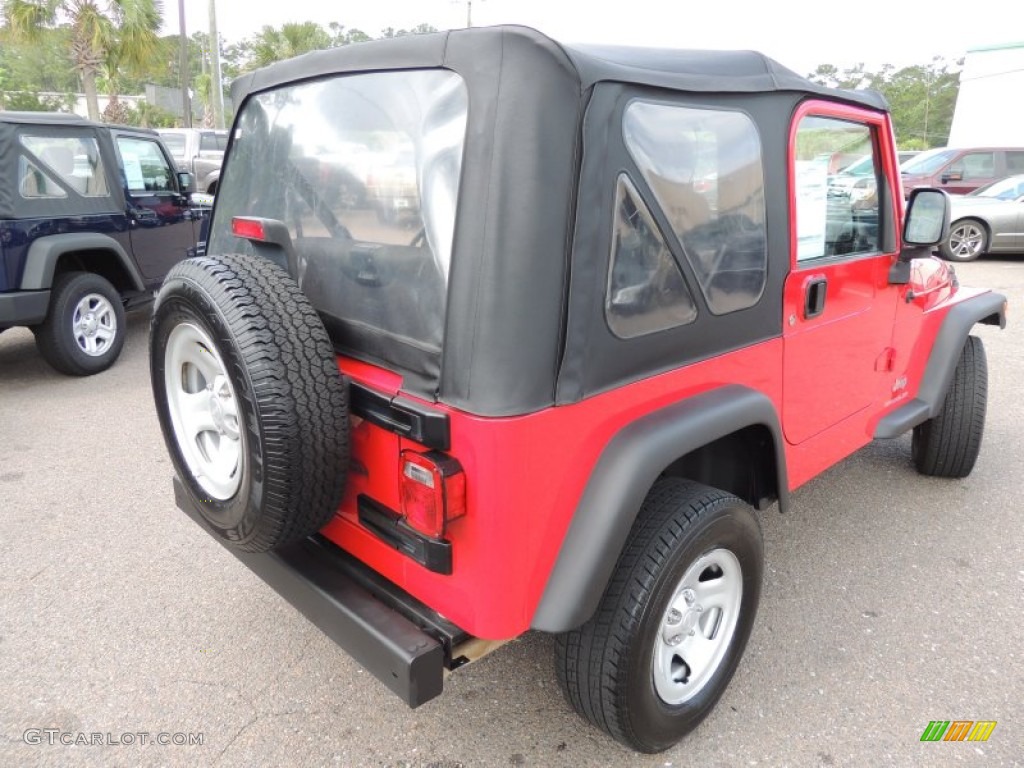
698,626
204,411
94,324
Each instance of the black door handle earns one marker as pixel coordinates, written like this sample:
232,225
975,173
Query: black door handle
814,301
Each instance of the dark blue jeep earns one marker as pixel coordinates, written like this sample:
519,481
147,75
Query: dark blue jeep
91,219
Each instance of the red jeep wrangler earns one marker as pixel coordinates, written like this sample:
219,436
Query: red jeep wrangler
622,314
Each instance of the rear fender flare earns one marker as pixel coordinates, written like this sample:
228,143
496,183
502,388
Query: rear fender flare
45,253
624,474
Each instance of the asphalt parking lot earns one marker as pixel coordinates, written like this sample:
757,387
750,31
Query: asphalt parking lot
890,600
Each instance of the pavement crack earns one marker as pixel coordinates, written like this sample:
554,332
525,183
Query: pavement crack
255,718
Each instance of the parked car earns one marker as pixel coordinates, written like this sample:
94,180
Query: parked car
959,171
988,220
857,183
92,217
559,399
199,151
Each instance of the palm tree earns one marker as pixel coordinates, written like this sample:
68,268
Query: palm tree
120,30
290,40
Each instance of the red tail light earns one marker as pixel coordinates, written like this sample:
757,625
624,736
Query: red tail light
249,229
433,489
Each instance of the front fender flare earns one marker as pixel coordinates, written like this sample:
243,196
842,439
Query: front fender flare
624,474
985,308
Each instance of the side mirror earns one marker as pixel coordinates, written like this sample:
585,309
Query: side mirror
927,220
949,176
926,225
184,181
201,200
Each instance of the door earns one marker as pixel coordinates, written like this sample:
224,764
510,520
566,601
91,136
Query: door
160,220
838,306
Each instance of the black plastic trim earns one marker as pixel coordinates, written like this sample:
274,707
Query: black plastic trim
45,252
986,308
23,308
624,474
433,554
402,416
311,575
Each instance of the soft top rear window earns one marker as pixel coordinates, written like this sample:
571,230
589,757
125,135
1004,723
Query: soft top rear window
364,171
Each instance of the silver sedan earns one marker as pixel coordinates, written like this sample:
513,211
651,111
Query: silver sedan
988,220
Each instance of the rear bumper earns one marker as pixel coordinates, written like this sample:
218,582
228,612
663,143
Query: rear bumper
23,308
333,591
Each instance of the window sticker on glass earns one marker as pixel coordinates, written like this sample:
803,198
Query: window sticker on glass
812,203
133,171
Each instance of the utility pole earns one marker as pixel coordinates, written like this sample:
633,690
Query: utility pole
186,106
469,12
216,89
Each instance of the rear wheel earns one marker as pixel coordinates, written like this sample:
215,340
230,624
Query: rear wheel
967,240
948,444
653,661
83,332
253,408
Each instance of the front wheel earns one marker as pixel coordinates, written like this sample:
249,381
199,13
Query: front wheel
669,632
967,240
948,444
84,330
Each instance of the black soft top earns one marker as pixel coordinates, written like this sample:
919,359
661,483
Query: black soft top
13,205
685,70
507,343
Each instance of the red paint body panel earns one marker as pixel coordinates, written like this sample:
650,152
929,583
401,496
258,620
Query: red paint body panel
524,479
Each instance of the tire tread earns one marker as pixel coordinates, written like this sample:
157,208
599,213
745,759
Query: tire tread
948,444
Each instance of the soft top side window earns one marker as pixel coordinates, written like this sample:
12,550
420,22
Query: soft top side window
54,164
646,291
704,168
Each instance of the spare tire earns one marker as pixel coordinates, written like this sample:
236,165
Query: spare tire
253,408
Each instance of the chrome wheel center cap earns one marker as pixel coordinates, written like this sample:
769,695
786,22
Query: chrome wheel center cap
221,408
217,414
690,619
89,324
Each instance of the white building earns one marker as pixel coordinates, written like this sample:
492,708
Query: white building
990,108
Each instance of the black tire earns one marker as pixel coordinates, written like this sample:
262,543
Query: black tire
948,444
967,240
84,329
289,432
608,668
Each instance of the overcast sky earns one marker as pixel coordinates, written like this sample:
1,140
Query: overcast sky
799,33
